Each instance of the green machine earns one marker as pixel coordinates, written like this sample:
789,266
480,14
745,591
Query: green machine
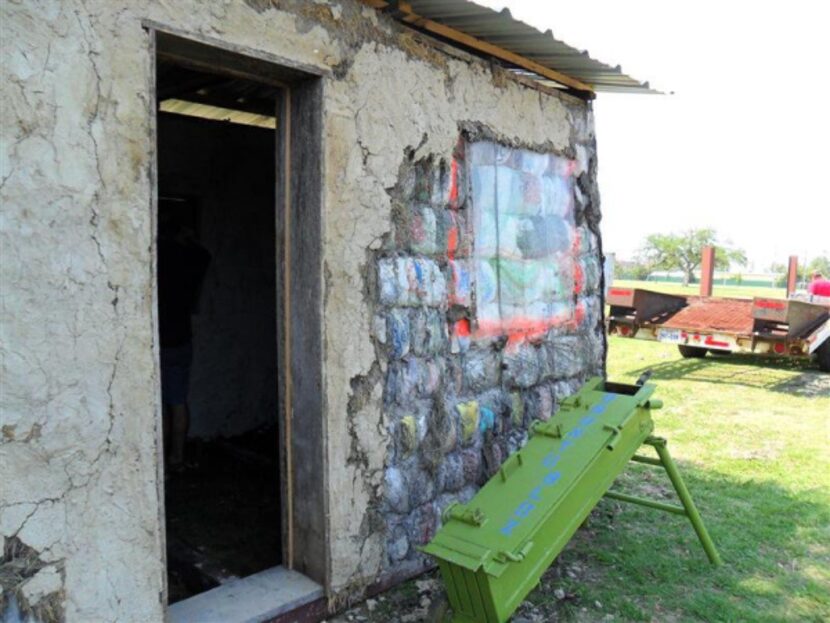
492,551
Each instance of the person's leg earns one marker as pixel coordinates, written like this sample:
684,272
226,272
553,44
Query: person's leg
175,377
179,423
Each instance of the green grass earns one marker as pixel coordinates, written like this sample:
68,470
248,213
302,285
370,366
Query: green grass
729,291
751,439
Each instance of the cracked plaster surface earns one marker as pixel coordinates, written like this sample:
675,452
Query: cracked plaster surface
80,400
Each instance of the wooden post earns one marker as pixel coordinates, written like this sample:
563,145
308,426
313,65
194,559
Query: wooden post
707,271
792,275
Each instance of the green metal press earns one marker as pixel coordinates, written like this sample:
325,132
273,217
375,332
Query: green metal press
493,550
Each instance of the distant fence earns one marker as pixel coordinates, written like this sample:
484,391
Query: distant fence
733,280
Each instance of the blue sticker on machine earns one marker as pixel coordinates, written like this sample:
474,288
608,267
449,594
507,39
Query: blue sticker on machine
549,477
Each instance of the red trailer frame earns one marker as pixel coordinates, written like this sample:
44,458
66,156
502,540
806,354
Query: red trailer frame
696,324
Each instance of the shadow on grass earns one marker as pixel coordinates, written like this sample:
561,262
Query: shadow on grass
747,370
642,564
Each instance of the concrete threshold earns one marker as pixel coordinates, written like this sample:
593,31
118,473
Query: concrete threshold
256,598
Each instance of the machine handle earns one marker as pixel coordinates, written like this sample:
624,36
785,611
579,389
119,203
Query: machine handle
474,517
518,556
615,437
517,461
546,429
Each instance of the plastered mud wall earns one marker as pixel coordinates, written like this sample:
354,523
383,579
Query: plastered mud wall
80,400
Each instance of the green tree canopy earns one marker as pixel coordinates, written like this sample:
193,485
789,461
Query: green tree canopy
682,251
819,264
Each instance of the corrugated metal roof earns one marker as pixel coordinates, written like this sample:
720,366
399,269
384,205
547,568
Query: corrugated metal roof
502,29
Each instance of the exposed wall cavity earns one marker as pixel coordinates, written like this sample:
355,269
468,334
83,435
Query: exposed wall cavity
32,589
467,371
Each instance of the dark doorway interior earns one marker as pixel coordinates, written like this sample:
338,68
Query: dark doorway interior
216,188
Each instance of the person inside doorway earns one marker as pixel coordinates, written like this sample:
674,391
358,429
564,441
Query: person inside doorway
819,286
182,267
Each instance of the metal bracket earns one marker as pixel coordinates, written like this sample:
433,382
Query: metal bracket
471,516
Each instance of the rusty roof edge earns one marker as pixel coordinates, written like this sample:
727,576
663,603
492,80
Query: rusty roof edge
581,65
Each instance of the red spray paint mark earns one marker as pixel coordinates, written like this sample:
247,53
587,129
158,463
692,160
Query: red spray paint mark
452,239
768,304
579,275
571,168
454,183
620,292
462,328
579,314
579,278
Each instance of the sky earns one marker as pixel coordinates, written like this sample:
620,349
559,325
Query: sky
743,143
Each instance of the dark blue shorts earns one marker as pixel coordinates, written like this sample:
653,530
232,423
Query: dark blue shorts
175,373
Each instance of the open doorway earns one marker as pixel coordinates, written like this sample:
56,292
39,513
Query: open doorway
217,290
239,281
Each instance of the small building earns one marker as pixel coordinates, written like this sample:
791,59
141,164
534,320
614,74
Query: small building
400,209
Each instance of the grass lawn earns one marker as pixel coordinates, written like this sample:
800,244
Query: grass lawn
729,291
752,443
752,440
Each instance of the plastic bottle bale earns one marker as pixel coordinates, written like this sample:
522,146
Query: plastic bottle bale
568,355
420,484
402,382
423,230
460,282
388,289
591,273
472,465
379,328
481,369
422,523
451,473
432,372
517,409
521,365
418,331
408,437
436,332
397,545
441,437
492,454
441,183
396,494
399,333
543,402
468,417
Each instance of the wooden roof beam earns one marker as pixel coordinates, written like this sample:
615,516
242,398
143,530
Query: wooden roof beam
404,9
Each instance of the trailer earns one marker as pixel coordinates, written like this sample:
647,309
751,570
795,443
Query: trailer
785,328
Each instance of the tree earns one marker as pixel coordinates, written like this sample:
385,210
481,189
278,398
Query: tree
819,264
780,271
682,251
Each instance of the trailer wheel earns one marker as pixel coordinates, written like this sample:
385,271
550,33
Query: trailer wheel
691,352
824,356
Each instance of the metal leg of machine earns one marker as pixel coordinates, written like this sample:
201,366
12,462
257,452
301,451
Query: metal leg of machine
688,509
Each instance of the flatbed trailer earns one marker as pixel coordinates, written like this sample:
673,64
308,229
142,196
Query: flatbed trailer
787,328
